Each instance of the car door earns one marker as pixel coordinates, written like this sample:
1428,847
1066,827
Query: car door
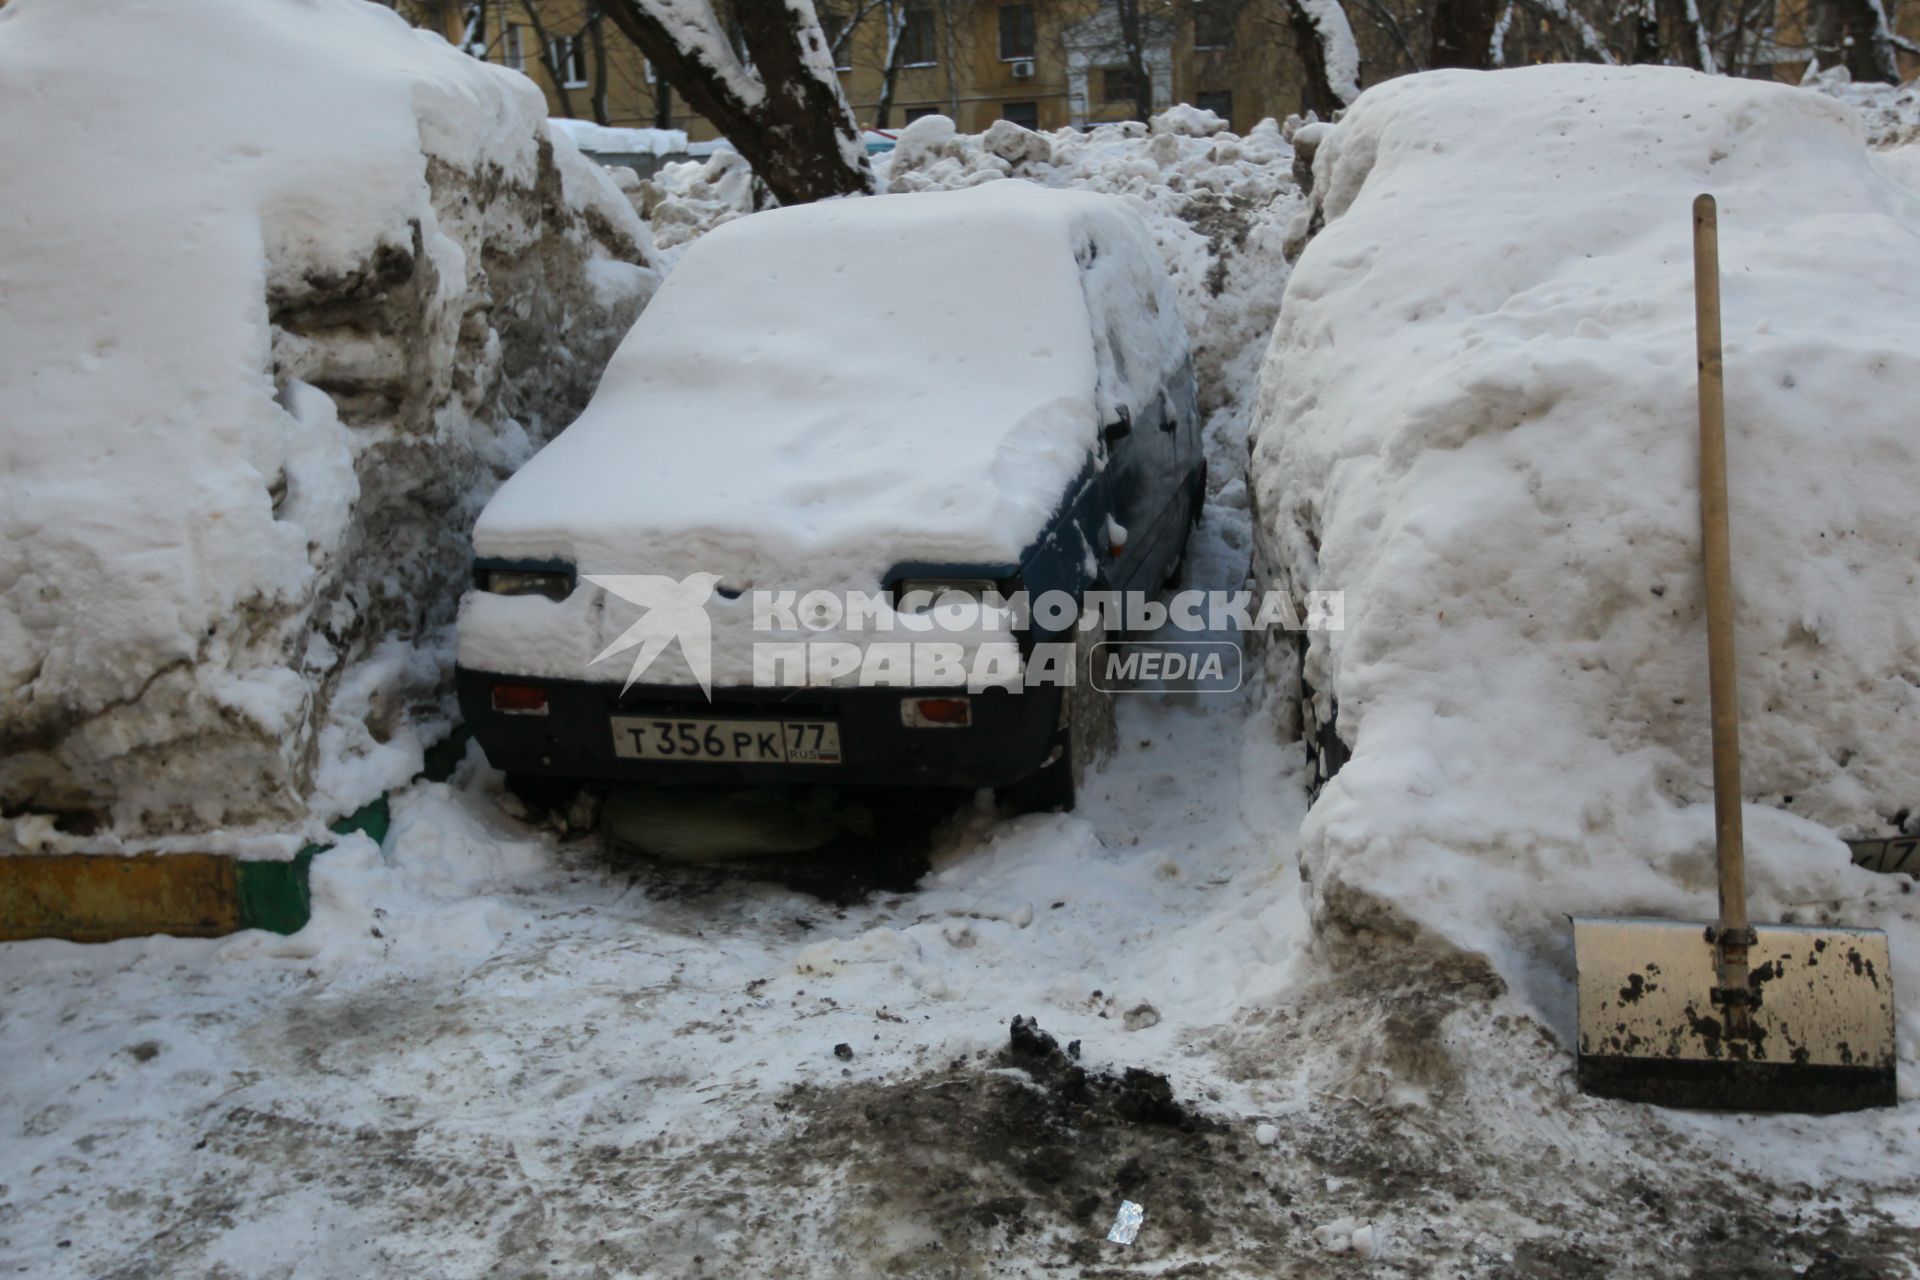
1139,343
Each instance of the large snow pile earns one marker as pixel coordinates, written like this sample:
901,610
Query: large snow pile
269,336
1478,420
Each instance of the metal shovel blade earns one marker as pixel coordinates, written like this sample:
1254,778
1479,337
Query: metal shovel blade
1650,1031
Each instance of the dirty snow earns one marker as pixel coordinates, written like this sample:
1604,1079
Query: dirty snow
1477,419
1890,113
495,1052
260,365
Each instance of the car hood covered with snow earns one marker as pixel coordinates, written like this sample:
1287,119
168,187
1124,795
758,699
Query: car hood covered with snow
832,389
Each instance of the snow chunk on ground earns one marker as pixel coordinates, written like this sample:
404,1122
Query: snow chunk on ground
606,139
1478,420
270,335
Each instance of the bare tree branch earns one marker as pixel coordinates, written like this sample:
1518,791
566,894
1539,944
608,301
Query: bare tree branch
1386,21
598,39
547,60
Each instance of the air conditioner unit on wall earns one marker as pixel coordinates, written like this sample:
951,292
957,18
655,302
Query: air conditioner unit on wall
1023,70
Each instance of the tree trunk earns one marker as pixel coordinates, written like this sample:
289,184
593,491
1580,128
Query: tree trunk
1463,34
952,57
598,39
1324,39
662,100
895,17
547,59
787,118
1133,42
1687,33
1645,24
1586,41
1856,34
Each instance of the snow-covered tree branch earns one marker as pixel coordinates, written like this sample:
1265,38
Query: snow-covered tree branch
1328,52
778,100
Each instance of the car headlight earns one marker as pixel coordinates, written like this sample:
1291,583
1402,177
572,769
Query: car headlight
917,596
554,584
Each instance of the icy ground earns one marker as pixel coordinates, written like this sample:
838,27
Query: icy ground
502,1055
498,1052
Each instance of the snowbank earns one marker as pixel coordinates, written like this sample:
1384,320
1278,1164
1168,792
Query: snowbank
270,336
1477,419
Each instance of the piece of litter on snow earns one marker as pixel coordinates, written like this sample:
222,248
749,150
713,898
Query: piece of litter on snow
1126,1223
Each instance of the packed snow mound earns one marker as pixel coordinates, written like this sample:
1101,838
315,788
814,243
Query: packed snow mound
270,336
1478,420
821,392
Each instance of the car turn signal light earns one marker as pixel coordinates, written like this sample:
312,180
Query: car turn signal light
519,699
936,713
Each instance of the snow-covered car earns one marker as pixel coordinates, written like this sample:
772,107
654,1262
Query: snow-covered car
830,417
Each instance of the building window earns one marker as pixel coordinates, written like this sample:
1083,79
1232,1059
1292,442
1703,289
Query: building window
1117,84
921,113
833,25
1024,114
570,60
1213,23
1218,101
511,49
1016,32
917,48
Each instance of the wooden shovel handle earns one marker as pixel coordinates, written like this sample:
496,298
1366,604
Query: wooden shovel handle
1717,553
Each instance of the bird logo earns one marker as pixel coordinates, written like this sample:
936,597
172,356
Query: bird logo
670,611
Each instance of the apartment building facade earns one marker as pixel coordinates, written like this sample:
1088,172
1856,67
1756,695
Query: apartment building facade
1044,64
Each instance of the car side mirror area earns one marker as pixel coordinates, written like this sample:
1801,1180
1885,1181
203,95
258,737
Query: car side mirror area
1120,428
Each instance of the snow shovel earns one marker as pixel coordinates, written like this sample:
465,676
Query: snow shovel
1725,1015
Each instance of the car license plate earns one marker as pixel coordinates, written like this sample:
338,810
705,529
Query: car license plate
746,741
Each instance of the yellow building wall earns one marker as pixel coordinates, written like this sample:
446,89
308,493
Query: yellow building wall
968,79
